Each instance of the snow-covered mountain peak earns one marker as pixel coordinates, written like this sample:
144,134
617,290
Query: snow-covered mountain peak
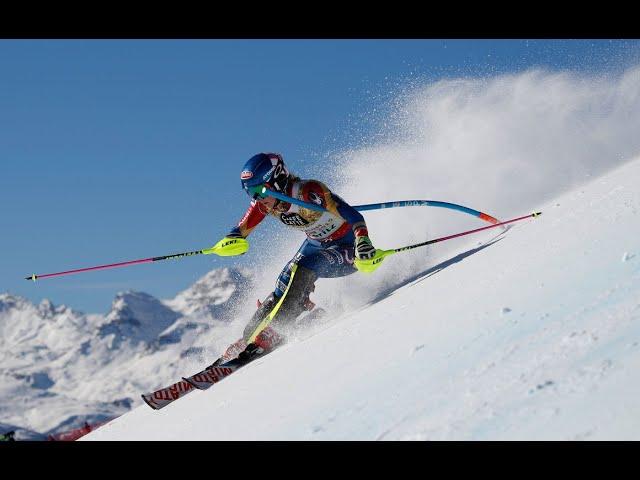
217,287
18,317
9,302
46,309
61,367
137,316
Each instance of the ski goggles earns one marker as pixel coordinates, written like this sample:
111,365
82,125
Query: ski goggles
257,192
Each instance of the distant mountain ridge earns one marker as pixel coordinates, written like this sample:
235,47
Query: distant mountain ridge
60,367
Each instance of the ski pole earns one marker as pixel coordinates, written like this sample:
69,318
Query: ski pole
427,203
205,251
264,191
386,253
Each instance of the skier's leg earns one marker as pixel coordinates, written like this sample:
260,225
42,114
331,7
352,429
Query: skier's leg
313,260
296,299
293,304
332,260
263,310
282,282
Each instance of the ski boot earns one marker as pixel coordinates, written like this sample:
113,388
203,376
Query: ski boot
266,341
231,352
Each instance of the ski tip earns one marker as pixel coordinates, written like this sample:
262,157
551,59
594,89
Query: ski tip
488,218
144,397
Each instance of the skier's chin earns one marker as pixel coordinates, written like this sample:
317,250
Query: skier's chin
267,203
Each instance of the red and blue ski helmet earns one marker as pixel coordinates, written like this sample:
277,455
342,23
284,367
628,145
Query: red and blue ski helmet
264,169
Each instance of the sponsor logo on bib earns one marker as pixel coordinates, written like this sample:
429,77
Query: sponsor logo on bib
293,219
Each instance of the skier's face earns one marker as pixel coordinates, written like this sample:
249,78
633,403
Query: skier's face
268,202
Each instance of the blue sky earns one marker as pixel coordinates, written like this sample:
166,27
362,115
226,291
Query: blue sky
114,150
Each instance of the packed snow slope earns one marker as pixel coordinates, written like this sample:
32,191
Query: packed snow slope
533,333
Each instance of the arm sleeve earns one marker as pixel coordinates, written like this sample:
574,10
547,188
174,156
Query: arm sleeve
252,217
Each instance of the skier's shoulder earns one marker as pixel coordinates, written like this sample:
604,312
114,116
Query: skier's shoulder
306,185
311,190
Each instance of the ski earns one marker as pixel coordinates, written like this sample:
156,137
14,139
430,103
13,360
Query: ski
199,381
212,374
164,396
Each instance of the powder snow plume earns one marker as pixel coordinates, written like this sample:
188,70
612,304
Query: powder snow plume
502,145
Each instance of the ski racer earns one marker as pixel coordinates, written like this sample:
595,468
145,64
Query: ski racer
337,244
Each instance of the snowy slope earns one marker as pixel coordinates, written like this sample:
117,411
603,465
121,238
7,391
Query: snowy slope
533,334
60,367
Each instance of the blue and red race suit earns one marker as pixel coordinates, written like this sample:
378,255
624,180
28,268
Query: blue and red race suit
330,244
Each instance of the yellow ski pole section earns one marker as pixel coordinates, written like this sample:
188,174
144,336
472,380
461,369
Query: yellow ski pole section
267,320
371,264
228,247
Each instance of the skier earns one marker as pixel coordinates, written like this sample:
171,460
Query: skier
337,244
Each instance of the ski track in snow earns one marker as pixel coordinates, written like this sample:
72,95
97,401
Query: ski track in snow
534,335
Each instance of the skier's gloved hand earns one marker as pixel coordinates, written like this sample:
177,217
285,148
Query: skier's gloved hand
229,246
371,264
364,248
368,258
